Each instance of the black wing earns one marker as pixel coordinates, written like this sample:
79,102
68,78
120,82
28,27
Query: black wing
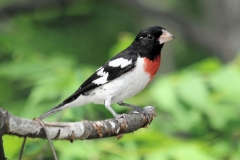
113,72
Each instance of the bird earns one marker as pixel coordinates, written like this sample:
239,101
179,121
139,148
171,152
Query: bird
123,76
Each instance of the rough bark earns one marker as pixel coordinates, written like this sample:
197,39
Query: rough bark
13,125
2,117
2,155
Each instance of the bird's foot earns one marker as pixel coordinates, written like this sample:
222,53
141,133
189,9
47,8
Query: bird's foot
120,117
137,109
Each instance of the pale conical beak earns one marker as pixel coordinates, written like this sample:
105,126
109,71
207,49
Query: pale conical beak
165,37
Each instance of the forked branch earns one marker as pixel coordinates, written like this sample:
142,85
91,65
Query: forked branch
21,127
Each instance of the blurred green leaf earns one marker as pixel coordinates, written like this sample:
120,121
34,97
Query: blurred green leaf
164,94
47,53
226,82
124,40
192,91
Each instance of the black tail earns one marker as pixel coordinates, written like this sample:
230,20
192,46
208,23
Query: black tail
50,112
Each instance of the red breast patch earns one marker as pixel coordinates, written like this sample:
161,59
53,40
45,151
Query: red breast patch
151,67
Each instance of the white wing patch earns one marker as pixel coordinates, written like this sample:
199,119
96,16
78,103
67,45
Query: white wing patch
101,80
119,62
101,72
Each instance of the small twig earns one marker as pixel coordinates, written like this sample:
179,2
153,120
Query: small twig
48,137
22,148
49,140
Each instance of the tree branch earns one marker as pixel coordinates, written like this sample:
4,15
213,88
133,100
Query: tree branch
2,155
13,125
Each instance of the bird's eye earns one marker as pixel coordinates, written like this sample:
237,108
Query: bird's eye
150,37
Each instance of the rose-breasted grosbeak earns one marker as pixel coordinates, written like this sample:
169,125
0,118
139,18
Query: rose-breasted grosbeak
123,76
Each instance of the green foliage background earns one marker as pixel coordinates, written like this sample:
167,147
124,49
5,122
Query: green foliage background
46,55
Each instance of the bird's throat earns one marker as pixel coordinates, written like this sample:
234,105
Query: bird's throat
151,66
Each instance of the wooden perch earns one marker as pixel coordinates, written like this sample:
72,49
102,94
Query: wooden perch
13,125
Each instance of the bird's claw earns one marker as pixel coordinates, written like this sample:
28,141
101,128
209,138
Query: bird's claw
122,116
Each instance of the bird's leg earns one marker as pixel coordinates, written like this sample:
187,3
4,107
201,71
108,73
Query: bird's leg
107,104
136,108
129,105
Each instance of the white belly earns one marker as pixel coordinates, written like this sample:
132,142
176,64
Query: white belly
123,87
